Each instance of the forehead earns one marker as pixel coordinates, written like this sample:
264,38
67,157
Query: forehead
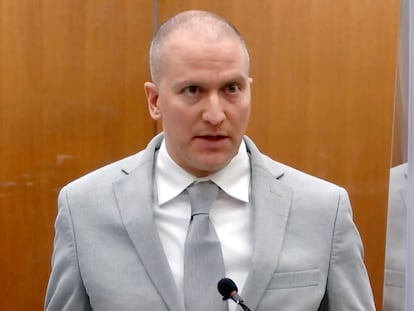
206,47
192,56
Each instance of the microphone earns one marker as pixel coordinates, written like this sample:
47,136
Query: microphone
228,289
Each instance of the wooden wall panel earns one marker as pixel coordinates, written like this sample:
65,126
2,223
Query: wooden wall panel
322,96
71,100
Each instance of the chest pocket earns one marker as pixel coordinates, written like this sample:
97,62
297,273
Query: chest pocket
294,279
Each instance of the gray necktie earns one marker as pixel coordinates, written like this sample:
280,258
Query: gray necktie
203,259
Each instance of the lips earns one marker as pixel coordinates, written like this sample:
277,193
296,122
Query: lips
213,137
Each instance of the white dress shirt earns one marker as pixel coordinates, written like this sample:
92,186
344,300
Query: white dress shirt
230,214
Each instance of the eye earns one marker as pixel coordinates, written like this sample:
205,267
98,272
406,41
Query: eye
232,88
192,90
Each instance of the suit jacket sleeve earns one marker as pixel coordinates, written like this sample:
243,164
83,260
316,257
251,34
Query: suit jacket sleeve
65,289
348,286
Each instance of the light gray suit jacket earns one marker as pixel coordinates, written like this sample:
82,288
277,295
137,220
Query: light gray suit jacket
396,247
307,253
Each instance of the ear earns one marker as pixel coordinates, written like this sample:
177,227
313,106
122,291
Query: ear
151,91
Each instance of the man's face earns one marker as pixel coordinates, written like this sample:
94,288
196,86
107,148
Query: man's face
203,100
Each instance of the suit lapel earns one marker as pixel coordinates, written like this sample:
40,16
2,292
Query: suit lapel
134,196
271,204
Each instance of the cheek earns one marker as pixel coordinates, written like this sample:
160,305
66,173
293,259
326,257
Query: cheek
241,114
246,110
177,118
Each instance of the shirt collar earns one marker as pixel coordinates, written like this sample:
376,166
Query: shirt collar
171,179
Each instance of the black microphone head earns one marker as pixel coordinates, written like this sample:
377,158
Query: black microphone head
226,288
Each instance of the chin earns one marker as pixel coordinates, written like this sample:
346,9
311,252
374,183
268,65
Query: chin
207,168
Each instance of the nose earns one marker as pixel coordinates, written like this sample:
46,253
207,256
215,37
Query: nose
213,112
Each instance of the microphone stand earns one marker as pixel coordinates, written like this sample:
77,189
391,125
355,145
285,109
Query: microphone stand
240,302
244,307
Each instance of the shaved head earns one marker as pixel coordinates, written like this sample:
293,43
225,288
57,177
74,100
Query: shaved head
193,24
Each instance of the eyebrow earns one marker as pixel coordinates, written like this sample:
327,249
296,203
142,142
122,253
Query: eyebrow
198,82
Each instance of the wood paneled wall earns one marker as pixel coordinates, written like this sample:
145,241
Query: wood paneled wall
71,100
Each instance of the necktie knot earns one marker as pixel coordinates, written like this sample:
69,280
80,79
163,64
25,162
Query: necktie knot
202,195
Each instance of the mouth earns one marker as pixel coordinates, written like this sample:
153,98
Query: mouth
212,137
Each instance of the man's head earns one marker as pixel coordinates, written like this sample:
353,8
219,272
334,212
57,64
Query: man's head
196,22
200,90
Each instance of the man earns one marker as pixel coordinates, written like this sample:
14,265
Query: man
396,246
287,239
